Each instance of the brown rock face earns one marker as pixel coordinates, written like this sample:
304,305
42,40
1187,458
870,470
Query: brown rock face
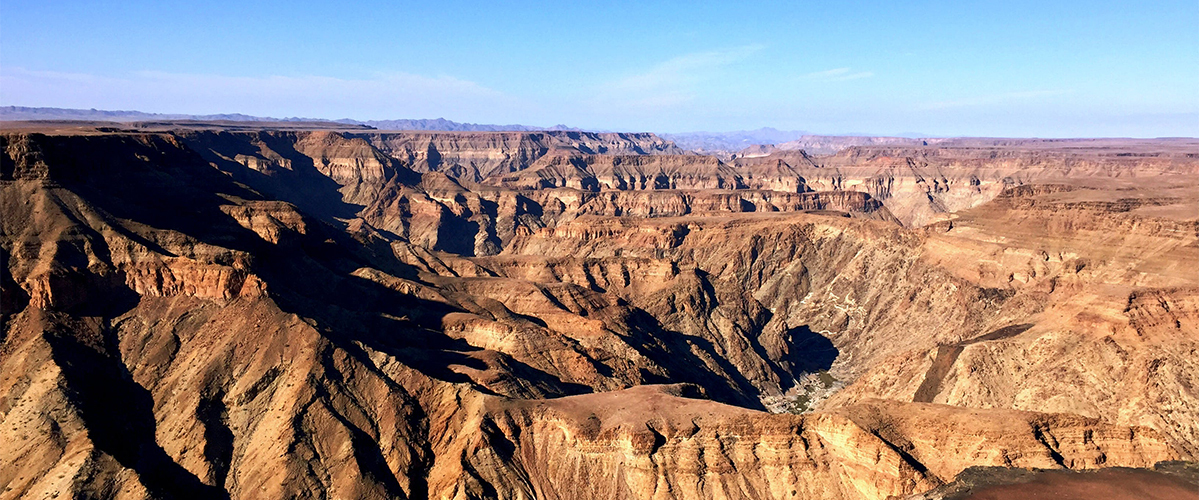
475,156
920,181
278,314
648,442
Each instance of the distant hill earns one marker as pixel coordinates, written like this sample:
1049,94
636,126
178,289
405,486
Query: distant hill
831,144
731,142
725,145
18,113
443,124
15,113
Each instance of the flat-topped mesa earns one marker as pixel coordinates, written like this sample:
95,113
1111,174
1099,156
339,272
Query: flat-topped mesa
645,440
778,171
1040,157
919,183
563,204
831,144
622,173
473,156
823,145
339,176
374,177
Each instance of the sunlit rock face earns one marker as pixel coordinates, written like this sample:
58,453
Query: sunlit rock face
313,313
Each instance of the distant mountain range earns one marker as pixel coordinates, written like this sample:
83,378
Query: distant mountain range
764,140
731,142
443,124
723,144
15,113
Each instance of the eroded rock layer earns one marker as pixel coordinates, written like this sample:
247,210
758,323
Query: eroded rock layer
922,183
564,315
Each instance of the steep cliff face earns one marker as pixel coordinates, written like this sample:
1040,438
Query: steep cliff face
609,172
787,280
829,145
1119,316
648,442
146,350
271,315
919,184
529,181
475,156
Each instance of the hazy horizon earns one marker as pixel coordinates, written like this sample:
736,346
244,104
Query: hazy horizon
1010,69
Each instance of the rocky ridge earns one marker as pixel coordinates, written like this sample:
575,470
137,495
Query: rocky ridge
921,184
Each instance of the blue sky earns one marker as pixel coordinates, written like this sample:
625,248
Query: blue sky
1001,68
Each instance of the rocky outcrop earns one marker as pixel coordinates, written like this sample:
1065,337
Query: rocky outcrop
1118,315
475,156
833,144
919,183
649,442
338,175
622,173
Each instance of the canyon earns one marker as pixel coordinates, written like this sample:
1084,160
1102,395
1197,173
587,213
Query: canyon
210,310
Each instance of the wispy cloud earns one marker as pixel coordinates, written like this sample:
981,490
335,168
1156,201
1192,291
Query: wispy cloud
379,96
837,75
671,82
984,100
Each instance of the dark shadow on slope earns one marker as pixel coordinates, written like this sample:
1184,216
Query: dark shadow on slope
948,354
153,182
299,183
415,338
158,183
456,234
674,352
367,453
1002,333
118,412
218,438
491,244
808,351
175,199
13,298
